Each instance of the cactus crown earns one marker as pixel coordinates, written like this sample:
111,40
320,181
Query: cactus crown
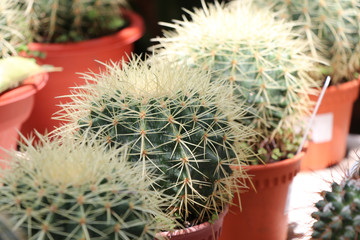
250,52
78,190
331,29
12,28
184,130
72,21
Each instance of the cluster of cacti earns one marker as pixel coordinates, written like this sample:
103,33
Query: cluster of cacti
172,117
338,214
73,20
67,189
12,28
253,54
331,29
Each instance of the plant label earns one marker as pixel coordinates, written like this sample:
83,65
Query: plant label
322,128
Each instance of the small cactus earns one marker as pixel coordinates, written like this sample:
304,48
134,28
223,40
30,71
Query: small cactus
172,117
253,54
338,214
58,21
14,70
331,29
79,190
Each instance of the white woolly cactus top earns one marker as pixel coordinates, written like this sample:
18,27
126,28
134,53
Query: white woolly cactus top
257,56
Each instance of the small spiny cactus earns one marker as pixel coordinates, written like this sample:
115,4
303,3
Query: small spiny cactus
338,214
331,29
79,190
173,118
253,54
73,20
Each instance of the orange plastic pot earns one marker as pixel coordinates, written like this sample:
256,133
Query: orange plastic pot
15,107
331,127
76,58
204,231
264,213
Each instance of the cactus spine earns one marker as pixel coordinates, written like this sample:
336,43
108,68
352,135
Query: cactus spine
331,29
186,131
78,190
5,230
13,28
250,52
74,20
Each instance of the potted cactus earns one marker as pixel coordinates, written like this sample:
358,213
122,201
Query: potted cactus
73,34
332,31
66,189
185,131
257,58
18,84
337,215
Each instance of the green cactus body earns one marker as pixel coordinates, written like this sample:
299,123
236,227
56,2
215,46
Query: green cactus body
331,29
252,54
78,190
338,215
186,131
72,21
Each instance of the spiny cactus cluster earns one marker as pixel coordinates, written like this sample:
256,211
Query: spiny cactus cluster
338,215
79,190
250,52
173,118
73,20
331,28
13,28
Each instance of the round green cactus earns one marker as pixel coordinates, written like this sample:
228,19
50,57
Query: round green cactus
185,130
253,54
338,215
72,21
79,190
331,29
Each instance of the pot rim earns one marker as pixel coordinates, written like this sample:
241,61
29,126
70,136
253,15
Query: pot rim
29,87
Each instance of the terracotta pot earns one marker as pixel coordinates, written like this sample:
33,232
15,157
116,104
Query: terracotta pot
75,58
204,231
15,107
331,126
264,212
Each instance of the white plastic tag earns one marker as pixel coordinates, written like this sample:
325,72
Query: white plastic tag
322,128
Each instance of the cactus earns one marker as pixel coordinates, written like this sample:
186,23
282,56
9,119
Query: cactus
331,29
79,190
13,28
73,20
14,70
338,214
185,130
253,54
